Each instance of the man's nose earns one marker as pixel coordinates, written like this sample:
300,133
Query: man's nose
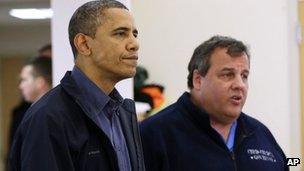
239,83
21,85
133,44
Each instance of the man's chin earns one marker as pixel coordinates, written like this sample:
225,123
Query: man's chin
233,115
130,73
29,100
127,75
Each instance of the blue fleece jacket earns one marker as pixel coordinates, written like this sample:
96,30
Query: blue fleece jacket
180,138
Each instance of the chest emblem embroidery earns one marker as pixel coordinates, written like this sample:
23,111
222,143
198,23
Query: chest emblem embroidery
260,154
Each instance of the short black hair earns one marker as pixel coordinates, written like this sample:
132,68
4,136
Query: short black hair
88,17
45,47
42,66
200,59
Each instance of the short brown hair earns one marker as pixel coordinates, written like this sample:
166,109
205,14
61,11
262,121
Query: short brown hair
42,66
200,59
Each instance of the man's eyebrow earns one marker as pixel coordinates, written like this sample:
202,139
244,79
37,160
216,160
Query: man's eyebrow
227,69
121,29
125,29
246,71
232,69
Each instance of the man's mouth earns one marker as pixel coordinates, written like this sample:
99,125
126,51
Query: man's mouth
130,60
236,99
131,57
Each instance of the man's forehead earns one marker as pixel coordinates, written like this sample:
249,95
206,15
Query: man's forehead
232,63
221,56
113,15
27,68
117,20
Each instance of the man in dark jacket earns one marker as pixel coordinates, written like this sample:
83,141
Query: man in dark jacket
206,129
83,123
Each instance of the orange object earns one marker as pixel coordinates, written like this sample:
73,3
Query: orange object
156,92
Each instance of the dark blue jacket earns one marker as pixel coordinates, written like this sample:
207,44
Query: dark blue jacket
180,138
59,133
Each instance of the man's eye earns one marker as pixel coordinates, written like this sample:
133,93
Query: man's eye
135,34
120,33
245,77
228,75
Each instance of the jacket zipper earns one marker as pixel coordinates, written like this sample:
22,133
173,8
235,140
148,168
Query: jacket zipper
234,162
232,154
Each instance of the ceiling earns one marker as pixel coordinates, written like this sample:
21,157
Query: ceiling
22,38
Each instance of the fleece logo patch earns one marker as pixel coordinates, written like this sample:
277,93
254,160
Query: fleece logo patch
260,154
95,152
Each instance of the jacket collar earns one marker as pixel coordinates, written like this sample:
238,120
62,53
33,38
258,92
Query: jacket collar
245,128
97,98
70,86
201,119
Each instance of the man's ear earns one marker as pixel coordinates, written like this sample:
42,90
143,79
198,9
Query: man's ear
81,44
42,85
196,80
40,82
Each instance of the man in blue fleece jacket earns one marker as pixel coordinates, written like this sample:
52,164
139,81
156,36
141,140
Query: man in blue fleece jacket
84,124
206,129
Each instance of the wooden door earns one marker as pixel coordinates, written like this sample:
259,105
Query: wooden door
10,68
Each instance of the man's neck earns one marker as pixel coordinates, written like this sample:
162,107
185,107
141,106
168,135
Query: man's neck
42,92
105,84
222,129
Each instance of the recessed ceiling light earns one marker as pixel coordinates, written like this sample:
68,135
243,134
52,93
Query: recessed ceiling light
32,13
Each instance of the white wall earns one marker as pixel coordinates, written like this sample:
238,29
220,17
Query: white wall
293,61
170,30
24,40
62,53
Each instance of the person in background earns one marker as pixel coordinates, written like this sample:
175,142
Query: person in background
19,110
84,123
36,79
206,128
17,116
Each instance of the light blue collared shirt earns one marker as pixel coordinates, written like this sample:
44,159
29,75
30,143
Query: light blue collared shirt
230,139
106,108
